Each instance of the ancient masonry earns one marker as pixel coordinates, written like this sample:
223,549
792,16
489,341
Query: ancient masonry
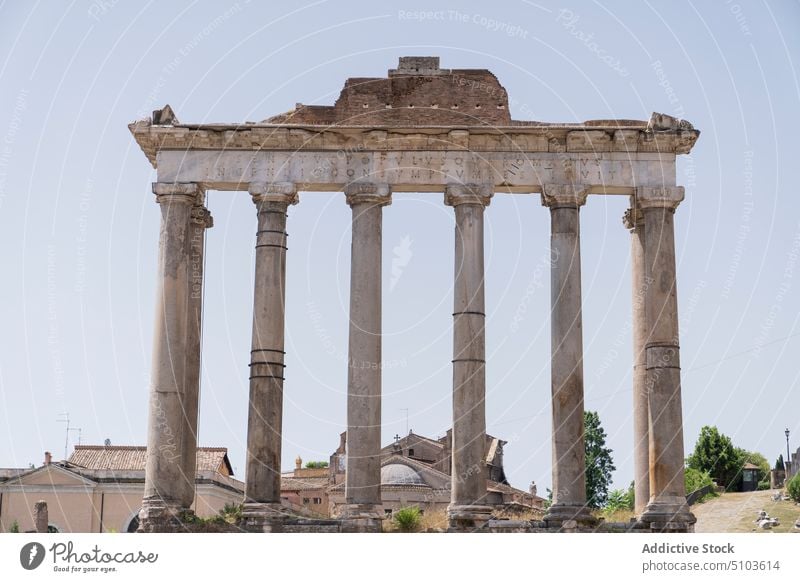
421,129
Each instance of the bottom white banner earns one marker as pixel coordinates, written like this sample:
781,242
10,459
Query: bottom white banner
389,557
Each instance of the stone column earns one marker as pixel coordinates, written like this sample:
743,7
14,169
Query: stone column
40,516
168,436
199,221
634,221
262,509
667,508
569,478
468,509
362,510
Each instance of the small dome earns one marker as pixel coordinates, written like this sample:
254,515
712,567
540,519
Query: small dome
399,474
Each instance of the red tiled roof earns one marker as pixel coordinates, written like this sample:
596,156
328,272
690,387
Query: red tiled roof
130,458
303,483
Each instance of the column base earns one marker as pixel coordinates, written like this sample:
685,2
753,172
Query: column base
361,518
263,517
468,518
668,514
569,516
159,516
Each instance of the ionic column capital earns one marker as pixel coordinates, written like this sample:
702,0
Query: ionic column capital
664,197
564,195
456,194
182,192
368,192
202,216
632,218
285,192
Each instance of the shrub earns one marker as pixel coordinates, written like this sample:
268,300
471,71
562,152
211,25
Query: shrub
763,485
317,465
407,519
231,512
793,488
695,479
190,518
619,499
14,527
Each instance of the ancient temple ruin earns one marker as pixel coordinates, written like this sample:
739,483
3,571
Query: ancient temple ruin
430,130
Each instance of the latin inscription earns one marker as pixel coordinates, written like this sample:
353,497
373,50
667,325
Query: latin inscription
330,170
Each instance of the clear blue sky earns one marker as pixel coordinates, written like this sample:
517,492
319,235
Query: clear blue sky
79,226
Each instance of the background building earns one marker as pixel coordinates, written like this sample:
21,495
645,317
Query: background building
99,489
415,470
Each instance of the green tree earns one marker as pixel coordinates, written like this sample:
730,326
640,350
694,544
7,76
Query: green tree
599,464
317,465
715,454
779,465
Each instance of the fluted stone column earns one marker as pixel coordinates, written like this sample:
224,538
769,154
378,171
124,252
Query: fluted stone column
468,509
169,434
667,508
262,509
363,506
569,477
200,219
634,221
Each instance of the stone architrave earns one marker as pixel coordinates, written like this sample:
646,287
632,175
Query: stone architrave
363,506
262,509
667,509
468,508
566,361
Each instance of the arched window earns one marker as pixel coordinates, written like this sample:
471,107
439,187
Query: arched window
133,523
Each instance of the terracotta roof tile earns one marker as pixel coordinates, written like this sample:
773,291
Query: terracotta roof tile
303,484
131,458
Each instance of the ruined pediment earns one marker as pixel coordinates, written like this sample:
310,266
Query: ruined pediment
53,474
418,92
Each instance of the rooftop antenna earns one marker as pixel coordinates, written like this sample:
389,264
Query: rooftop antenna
406,410
80,432
66,432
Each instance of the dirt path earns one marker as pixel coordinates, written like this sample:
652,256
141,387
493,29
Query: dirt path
736,512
